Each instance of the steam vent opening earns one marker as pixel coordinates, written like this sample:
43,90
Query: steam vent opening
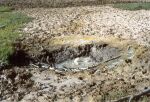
81,52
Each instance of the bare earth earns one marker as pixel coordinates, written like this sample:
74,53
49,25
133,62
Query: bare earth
51,28
90,21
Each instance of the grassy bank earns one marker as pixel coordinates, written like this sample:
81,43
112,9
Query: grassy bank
133,6
9,23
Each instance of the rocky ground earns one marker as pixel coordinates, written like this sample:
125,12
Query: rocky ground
57,28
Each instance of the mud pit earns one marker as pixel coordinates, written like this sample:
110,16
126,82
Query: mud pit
81,57
70,53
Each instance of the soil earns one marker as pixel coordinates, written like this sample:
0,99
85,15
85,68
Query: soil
63,62
15,83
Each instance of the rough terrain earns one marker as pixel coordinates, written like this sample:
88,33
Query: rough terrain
67,28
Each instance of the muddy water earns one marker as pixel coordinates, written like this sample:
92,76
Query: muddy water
77,63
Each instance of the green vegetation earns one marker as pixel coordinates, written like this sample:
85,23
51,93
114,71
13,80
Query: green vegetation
9,22
132,6
5,9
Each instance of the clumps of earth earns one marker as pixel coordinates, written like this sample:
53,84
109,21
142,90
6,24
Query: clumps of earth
15,83
73,66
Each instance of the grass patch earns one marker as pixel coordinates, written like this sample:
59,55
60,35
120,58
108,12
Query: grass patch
132,6
9,23
5,9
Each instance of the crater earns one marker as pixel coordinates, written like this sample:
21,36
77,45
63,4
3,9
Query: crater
77,53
